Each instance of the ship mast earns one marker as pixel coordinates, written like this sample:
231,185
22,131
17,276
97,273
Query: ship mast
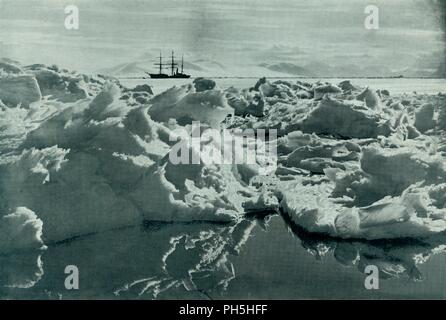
160,64
182,62
174,68
173,62
173,65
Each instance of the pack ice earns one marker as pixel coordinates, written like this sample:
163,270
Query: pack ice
83,154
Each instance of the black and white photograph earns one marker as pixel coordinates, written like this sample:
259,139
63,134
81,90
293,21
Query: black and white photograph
197,150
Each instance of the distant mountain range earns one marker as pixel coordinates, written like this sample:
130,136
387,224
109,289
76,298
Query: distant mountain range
209,68
288,69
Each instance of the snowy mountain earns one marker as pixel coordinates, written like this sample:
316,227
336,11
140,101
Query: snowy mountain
140,67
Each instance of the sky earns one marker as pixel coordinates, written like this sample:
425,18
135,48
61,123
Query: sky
233,35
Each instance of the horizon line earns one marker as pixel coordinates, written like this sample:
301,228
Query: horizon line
284,77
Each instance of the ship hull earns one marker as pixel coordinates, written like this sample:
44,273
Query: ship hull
165,76
158,76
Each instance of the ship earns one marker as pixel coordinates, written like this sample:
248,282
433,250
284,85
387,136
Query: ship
173,66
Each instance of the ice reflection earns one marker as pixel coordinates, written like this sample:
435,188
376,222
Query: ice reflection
168,259
197,261
20,270
394,258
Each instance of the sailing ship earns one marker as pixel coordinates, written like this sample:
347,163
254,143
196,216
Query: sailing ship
174,72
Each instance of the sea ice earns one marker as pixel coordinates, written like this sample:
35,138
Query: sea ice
91,155
19,90
185,105
20,229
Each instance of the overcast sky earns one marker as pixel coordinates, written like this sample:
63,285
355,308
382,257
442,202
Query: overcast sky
229,32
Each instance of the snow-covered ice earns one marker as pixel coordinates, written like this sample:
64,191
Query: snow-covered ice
83,154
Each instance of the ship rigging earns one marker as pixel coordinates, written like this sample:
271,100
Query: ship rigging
174,72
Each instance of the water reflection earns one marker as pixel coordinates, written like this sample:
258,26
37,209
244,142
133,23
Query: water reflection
178,258
394,258
197,260
188,260
22,270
